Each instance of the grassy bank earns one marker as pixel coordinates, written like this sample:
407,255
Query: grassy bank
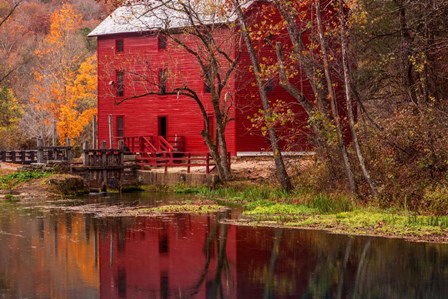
338,213
11,180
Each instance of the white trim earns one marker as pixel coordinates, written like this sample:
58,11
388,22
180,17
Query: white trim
267,154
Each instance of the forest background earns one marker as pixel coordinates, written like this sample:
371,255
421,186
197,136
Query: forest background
397,78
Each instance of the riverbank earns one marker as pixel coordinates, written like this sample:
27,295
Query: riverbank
260,204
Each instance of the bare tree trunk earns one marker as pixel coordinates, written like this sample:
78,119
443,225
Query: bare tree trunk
290,15
406,52
333,101
348,100
278,158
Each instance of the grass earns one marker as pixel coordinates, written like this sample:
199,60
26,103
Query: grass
263,205
10,180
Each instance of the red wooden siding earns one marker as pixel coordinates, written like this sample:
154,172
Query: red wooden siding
142,56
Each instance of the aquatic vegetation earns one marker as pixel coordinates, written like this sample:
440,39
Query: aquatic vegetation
184,208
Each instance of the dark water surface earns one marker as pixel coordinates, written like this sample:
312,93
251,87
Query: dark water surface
56,254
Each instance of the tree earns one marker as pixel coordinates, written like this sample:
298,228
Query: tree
59,57
79,108
279,163
348,91
10,113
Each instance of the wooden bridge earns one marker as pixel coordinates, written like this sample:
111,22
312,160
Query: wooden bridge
41,155
104,167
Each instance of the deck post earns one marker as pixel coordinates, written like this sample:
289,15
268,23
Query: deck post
121,151
85,153
68,150
31,156
104,165
23,157
40,150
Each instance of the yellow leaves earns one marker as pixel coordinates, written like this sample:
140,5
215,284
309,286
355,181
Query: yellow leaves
79,106
85,84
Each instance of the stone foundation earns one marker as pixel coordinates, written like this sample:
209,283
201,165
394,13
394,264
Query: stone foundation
174,178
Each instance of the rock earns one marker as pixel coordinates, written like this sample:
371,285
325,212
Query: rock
68,184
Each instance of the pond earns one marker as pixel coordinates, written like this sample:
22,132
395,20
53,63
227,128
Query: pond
52,253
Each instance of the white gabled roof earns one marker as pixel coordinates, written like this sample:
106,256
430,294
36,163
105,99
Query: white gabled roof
162,15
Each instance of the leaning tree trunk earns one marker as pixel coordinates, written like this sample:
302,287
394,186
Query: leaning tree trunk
333,101
348,99
278,158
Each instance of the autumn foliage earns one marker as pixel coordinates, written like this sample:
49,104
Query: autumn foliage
65,80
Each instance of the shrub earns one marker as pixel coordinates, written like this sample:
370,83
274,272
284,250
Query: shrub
435,200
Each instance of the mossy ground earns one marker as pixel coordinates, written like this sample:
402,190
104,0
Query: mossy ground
194,208
267,206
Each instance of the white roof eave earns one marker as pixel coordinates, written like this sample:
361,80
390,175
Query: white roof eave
141,18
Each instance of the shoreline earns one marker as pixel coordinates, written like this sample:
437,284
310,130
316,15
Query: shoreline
264,205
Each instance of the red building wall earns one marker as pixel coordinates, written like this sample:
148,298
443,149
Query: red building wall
141,56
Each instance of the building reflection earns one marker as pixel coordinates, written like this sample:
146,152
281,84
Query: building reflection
62,255
179,256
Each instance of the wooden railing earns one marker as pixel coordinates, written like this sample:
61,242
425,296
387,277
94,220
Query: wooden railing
103,158
150,144
139,144
42,154
19,156
164,146
188,160
177,143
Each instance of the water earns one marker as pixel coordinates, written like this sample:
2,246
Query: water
57,254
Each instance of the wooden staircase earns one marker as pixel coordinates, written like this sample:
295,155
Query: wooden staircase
154,150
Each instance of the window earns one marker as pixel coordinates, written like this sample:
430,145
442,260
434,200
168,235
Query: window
120,126
269,85
162,81
120,83
119,45
162,41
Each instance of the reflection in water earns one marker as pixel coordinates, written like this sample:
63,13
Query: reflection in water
180,256
40,259
63,255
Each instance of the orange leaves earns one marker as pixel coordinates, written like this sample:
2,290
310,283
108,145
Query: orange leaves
63,22
66,85
80,102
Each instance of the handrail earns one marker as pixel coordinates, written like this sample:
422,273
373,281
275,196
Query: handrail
139,144
165,145
152,144
184,159
149,144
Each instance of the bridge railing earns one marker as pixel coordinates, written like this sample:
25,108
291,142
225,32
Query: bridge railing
42,154
103,157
